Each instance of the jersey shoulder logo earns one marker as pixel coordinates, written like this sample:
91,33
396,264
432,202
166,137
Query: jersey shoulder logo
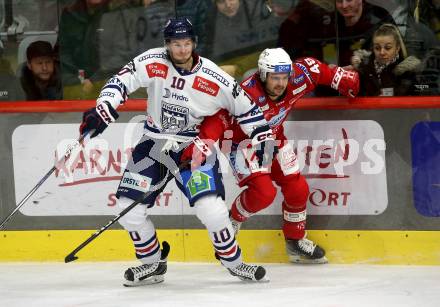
216,76
205,86
236,89
298,79
157,70
305,70
249,82
152,56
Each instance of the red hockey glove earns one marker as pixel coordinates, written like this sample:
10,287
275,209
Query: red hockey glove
98,118
346,82
197,152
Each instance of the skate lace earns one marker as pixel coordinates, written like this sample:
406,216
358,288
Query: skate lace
306,245
144,269
245,270
235,225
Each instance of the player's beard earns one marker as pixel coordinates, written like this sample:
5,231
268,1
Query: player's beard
276,92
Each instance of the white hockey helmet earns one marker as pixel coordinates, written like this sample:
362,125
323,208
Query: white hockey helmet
274,60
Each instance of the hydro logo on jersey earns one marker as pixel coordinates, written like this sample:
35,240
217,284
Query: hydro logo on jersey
167,93
174,118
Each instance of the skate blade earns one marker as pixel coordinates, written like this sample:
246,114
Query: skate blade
262,280
305,260
149,281
265,279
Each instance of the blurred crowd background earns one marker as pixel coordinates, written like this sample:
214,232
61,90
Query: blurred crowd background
66,49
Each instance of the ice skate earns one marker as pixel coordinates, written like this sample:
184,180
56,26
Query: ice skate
249,272
305,251
147,274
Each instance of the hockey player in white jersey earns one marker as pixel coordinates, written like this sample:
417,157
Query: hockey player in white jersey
182,88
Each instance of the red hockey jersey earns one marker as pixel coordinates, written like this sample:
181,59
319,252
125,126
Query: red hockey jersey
306,75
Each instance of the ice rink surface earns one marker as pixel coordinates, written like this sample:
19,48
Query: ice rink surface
205,285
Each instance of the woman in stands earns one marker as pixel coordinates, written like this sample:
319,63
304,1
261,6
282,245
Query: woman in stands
387,70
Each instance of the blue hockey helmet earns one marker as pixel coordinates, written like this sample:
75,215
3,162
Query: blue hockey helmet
177,28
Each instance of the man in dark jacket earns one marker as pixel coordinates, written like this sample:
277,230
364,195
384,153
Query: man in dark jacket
40,77
330,30
316,26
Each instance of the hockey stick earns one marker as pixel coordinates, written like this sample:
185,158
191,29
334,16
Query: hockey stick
66,156
71,257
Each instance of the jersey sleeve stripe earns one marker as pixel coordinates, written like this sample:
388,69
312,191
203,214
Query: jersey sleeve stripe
251,120
122,91
246,114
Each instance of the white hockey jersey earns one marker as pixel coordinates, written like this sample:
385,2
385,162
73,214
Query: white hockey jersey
179,100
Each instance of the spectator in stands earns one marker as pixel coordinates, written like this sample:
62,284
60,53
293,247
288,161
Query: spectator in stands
40,78
330,30
421,41
428,11
129,28
79,33
418,37
238,31
10,89
315,29
387,70
197,12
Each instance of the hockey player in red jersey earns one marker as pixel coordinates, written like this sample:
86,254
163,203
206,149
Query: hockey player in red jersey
275,88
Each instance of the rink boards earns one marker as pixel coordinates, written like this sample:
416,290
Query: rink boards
342,246
373,169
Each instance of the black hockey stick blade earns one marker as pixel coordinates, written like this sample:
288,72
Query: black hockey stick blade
70,257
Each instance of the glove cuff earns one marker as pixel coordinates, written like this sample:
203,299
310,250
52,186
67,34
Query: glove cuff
261,134
106,112
337,78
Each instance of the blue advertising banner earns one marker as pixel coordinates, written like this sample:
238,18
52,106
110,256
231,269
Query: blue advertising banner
425,146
